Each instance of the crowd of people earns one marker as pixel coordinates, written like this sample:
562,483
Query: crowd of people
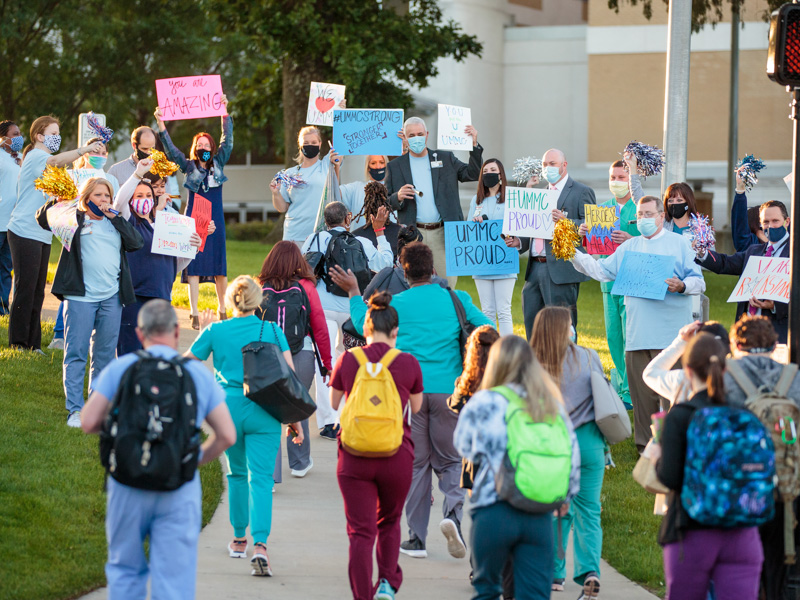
356,297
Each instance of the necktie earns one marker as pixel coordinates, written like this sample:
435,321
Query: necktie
770,250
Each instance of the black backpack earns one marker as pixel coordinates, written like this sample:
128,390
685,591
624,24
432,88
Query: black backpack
150,438
347,252
290,309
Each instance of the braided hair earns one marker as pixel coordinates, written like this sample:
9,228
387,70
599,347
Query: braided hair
375,196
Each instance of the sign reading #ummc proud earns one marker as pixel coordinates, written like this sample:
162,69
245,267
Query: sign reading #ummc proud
529,212
477,249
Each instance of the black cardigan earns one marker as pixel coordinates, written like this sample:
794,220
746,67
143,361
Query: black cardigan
68,280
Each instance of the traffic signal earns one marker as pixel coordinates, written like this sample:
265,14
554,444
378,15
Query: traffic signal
783,60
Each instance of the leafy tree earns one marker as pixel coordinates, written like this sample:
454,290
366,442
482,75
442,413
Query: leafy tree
379,50
704,12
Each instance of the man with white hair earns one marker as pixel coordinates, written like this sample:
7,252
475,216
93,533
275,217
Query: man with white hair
423,186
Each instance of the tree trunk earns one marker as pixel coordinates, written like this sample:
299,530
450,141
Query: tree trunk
297,78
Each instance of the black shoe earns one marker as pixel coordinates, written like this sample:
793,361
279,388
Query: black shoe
414,547
451,528
329,432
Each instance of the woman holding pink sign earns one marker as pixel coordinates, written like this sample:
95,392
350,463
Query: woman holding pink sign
204,179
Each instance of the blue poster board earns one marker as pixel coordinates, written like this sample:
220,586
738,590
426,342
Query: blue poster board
642,275
362,131
477,249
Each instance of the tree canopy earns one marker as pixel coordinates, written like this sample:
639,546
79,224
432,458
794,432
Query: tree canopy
704,12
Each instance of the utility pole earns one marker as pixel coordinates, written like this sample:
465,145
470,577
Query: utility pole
676,97
733,106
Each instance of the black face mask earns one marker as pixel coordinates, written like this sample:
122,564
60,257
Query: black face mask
95,209
310,151
491,179
203,155
377,174
141,154
676,211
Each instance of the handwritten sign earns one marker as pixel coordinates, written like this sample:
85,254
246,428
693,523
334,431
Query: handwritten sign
601,222
643,275
361,131
171,235
529,212
194,97
322,99
477,249
201,213
763,278
452,121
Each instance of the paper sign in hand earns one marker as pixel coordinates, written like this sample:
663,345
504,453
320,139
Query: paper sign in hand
201,213
172,235
763,278
644,275
365,131
477,249
601,222
193,97
529,212
322,99
452,121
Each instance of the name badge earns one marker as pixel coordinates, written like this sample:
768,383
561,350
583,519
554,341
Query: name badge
436,164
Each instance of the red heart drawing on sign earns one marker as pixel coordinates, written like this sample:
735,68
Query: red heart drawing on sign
324,104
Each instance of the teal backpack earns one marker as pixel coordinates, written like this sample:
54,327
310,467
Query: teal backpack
534,474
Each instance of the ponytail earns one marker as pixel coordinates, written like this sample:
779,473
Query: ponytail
705,356
716,386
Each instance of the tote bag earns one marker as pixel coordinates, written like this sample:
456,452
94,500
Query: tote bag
609,411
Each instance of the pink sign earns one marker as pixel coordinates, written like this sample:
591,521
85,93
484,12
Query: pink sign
193,97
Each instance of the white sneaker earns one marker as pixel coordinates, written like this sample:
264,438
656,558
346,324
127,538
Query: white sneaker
302,472
56,344
74,419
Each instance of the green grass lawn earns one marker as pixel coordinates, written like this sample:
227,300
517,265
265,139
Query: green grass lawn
52,503
629,526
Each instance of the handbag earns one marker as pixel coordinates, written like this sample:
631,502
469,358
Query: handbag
350,336
315,258
644,473
609,411
466,327
271,383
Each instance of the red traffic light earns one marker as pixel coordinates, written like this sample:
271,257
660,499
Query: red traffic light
783,60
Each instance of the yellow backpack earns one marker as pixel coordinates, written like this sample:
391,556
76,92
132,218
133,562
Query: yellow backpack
372,417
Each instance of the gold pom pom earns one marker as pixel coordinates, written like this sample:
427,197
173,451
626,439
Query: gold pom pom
161,165
565,239
57,183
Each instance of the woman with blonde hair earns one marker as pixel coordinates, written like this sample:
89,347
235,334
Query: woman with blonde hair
28,240
571,366
94,281
515,386
251,460
301,202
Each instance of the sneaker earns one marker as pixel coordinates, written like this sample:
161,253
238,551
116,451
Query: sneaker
385,591
558,585
56,344
329,432
74,419
39,351
451,528
260,561
414,547
591,587
303,472
238,548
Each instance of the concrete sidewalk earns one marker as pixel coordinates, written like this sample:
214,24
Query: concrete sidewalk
308,546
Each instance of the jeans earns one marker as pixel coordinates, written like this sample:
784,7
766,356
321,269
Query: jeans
90,328
299,456
495,296
128,342
5,273
58,331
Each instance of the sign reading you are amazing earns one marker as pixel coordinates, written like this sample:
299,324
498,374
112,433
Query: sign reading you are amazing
194,97
478,249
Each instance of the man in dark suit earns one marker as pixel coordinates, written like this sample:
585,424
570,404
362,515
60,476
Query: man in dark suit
775,223
548,280
423,187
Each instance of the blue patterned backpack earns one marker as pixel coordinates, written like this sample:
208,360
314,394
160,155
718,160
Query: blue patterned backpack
728,479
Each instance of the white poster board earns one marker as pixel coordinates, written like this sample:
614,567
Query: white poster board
529,212
763,278
322,99
85,132
452,121
171,235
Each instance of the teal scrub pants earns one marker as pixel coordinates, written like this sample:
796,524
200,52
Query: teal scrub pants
584,511
251,464
614,311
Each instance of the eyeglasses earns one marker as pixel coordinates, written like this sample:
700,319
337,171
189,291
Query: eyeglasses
647,215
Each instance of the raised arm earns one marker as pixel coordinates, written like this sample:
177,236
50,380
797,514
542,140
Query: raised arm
170,150
70,156
226,140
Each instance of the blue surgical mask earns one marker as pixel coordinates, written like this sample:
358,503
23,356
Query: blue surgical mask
551,174
416,144
776,234
52,142
16,143
647,226
97,162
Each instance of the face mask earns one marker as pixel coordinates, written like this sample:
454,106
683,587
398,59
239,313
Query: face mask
142,206
676,211
310,151
618,188
377,174
776,234
141,154
416,144
97,162
16,143
551,174
573,334
647,227
95,209
52,142
203,155
491,179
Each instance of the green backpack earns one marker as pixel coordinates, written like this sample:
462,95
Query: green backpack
534,475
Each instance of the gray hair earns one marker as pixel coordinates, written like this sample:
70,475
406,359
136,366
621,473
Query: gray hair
335,214
157,317
414,121
656,199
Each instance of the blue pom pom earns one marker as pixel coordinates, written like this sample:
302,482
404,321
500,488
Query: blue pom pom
649,159
748,169
100,131
701,233
289,180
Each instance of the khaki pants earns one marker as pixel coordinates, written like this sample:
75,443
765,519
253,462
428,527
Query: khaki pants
434,238
645,401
